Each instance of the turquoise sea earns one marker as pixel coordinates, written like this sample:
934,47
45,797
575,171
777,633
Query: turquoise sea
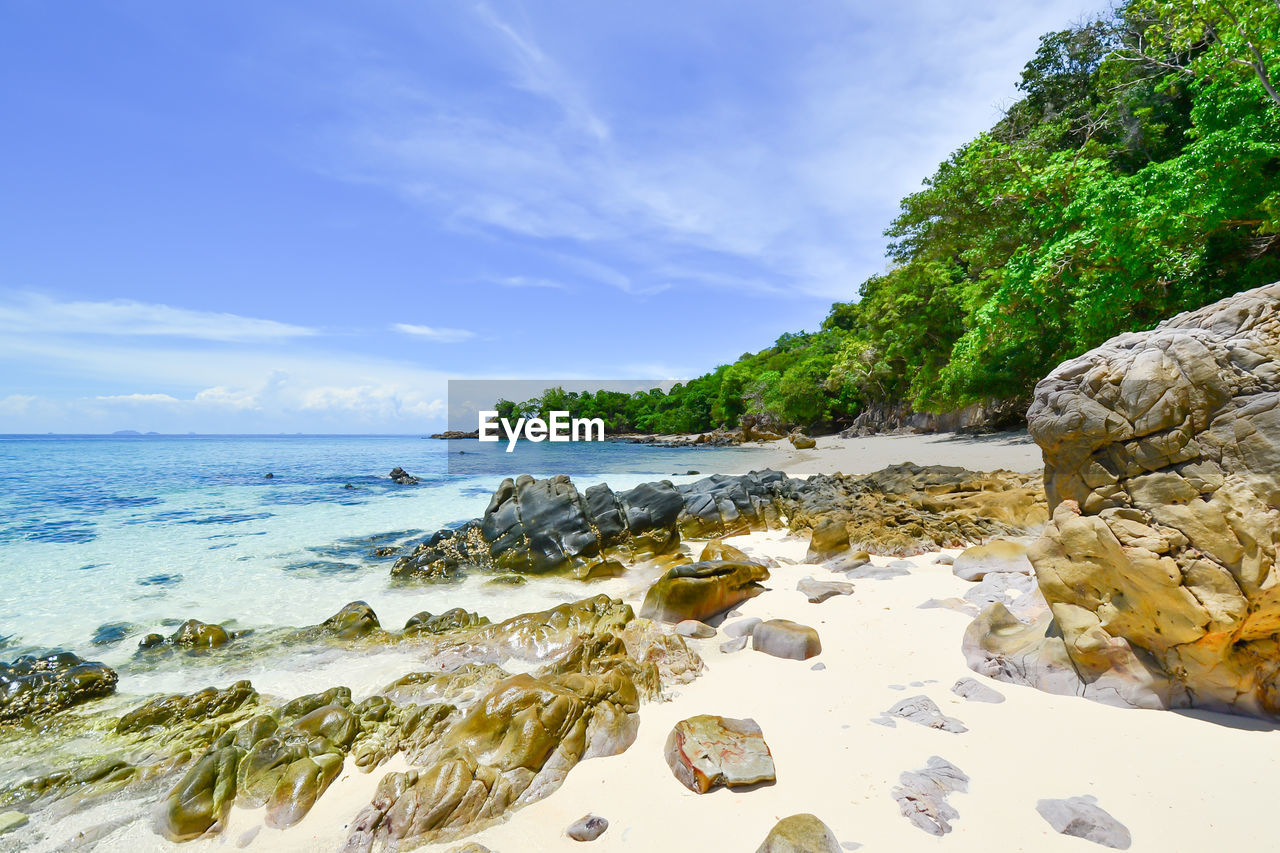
106,538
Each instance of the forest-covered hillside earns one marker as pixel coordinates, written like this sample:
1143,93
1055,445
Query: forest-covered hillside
1138,175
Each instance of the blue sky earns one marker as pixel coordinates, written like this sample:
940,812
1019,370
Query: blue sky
282,217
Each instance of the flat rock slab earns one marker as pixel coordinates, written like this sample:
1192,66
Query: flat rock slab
976,691
694,628
922,795
12,820
996,556
706,752
800,833
819,591
783,638
922,711
587,828
867,571
1082,817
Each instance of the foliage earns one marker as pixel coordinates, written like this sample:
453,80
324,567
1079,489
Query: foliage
1137,176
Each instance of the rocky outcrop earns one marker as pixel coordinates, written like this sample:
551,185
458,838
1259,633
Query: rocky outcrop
899,418
1162,466
706,752
540,526
402,477
33,687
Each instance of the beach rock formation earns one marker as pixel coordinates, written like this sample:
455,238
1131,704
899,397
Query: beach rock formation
800,833
976,691
702,590
402,477
706,752
32,687
819,591
1082,817
1162,468
800,441
999,555
540,526
922,795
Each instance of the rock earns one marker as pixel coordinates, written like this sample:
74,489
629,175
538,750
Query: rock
357,619
800,833
737,644
471,846
976,691
922,711
829,538
959,605
819,591
110,633
705,752
800,441
818,667
402,477
1081,817
702,590
170,711
694,628
12,820
867,571
587,828
944,560
1162,467
268,476
742,627
922,795
32,687
194,634
716,549
783,638
451,620
999,555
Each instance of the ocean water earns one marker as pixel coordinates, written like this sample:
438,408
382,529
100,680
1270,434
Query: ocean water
105,539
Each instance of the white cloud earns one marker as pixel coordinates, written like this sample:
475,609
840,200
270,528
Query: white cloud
137,398
35,313
521,281
439,334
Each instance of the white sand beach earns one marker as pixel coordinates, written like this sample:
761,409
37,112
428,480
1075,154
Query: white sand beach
1014,451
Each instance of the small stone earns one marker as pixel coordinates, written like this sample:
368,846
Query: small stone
818,667
819,591
741,628
976,691
783,638
12,820
922,710
268,476
800,833
944,560
694,628
587,828
737,644
1082,817
706,751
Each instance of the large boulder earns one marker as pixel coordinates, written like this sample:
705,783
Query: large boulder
1162,469
800,833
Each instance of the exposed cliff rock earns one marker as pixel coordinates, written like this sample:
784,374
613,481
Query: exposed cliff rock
1162,466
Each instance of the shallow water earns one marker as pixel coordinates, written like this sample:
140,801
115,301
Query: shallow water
114,537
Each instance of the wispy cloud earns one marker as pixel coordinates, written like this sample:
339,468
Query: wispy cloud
439,334
522,281
37,313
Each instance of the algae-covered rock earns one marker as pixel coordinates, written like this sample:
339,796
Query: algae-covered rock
800,833
194,707
357,619
31,687
200,801
450,620
702,590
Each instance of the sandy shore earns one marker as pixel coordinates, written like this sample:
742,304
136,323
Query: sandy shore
1150,769
1014,451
